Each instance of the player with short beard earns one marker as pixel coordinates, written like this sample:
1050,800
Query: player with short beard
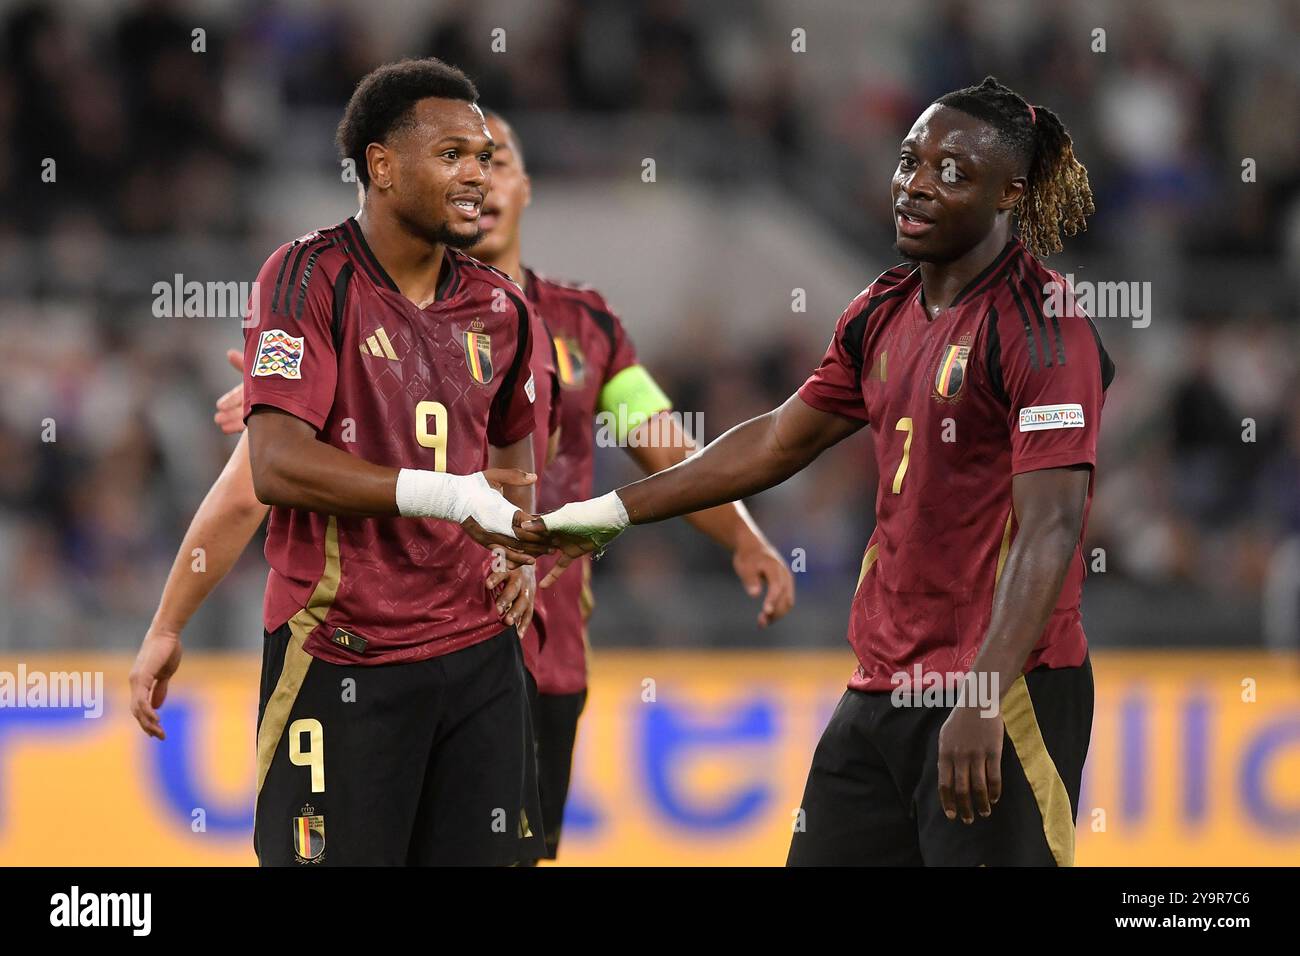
386,371
600,372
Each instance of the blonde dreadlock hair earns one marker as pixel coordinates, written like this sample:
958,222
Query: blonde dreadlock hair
1057,197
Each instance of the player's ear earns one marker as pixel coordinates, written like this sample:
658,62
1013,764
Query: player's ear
1012,193
528,190
380,162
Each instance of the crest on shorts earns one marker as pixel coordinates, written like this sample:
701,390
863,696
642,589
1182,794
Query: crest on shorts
309,836
570,363
478,355
951,374
278,353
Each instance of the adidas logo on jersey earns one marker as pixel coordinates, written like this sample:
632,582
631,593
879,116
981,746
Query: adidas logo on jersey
379,346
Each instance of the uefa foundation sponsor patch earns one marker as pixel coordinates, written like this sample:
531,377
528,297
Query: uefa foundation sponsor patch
279,353
1038,418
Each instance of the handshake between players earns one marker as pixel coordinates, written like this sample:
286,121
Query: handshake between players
575,529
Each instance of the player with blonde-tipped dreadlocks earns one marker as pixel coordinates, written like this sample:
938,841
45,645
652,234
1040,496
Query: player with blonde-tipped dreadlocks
962,735
1057,198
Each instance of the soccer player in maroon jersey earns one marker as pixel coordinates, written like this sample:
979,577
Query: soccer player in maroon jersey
600,373
386,370
984,403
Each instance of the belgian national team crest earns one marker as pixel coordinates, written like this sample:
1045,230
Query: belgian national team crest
478,353
309,836
951,374
570,363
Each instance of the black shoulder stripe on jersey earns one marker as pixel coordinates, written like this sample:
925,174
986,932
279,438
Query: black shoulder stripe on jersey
522,340
605,322
855,330
341,282
985,273
993,359
306,277
1041,316
293,271
891,277
1031,340
449,279
378,275
1107,366
279,276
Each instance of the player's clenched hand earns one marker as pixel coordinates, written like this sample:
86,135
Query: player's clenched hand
159,656
570,547
230,407
518,592
970,762
518,547
756,563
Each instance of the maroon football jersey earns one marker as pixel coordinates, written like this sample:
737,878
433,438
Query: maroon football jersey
996,385
591,347
547,417
337,345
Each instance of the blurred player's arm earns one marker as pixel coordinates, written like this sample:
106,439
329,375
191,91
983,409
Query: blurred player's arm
229,414
518,585
222,527
1049,506
750,458
731,525
519,457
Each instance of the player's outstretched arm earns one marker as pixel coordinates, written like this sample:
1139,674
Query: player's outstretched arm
220,531
753,557
752,457
292,469
1049,506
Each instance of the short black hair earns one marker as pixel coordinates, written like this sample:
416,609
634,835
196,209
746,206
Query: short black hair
1058,196
383,102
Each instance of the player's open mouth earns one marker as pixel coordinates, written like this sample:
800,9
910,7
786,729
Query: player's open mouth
488,219
911,223
468,207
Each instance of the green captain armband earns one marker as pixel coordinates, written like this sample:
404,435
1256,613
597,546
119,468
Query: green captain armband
630,399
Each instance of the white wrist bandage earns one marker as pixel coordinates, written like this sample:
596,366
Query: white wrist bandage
434,494
601,519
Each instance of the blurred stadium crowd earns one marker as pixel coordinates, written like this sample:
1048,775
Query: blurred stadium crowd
159,149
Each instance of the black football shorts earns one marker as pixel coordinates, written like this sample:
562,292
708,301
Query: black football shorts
555,722
872,796
423,763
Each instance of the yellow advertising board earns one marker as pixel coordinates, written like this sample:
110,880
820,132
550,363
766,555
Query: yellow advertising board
683,759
